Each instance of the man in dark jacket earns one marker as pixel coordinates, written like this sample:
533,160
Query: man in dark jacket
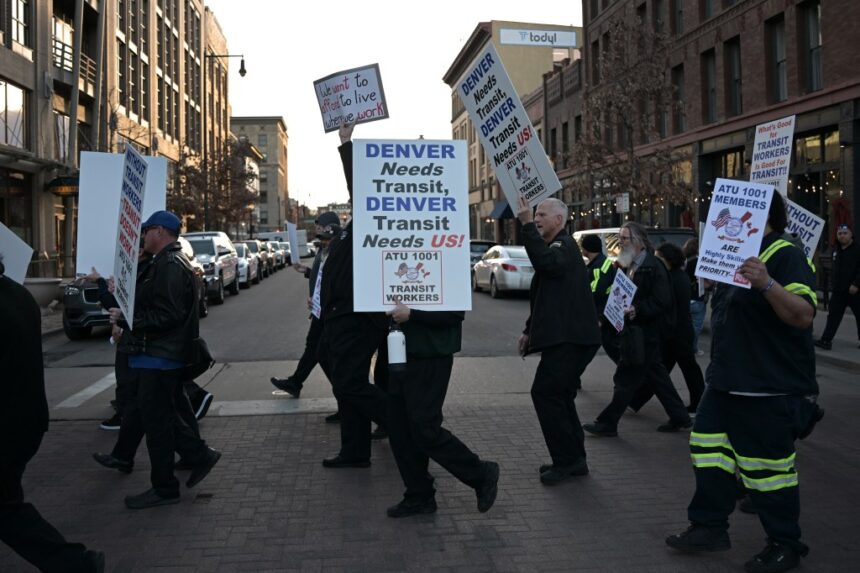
601,274
846,285
23,422
160,346
415,414
348,342
648,320
562,326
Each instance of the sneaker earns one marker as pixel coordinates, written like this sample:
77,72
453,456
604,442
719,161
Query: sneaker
378,434
147,499
113,463
487,491
776,557
698,538
746,505
113,423
600,429
824,344
288,385
202,469
410,507
333,418
672,426
204,406
556,474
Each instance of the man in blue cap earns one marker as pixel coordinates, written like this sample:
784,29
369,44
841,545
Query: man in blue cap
161,342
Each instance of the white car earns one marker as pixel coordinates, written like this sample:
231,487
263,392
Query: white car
249,266
503,268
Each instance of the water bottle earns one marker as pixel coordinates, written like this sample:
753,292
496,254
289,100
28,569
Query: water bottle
396,350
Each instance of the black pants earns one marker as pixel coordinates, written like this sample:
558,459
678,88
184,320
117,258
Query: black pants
754,435
348,344
839,301
21,526
629,378
609,340
381,374
415,428
195,395
309,356
162,413
680,352
553,395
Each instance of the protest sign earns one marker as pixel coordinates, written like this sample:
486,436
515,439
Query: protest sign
98,206
734,230
351,96
806,225
620,298
293,237
410,225
128,231
505,131
772,153
16,254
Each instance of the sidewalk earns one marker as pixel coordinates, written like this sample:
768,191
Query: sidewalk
270,506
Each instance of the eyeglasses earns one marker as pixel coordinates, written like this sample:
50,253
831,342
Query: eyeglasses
624,239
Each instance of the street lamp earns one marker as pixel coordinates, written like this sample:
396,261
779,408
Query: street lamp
242,72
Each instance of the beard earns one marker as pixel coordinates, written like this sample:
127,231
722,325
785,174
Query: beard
626,256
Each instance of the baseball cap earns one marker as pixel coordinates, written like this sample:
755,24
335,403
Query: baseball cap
164,219
327,218
592,244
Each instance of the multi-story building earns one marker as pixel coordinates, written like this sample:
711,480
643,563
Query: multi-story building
269,134
87,75
525,61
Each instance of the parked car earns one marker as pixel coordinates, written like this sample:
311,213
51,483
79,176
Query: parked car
249,266
199,275
217,254
288,251
280,254
477,248
503,268
657,236
258,250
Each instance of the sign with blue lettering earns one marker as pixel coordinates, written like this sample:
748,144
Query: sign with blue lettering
505,131
351,96
771,158
128,231
410,225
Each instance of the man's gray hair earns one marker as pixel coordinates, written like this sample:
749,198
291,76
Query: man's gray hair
556,206
638,234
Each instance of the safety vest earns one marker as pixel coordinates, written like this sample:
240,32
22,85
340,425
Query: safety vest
796,288
604,268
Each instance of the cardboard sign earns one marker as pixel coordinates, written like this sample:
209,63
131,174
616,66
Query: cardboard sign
771,158
505,131
351,96
410,225
98,206
734,230
620,299
807,225
16,254
128,231
295,254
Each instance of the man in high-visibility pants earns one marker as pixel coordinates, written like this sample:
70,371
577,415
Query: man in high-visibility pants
761,396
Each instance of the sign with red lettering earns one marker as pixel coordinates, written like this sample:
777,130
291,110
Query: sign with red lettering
128,231
351,96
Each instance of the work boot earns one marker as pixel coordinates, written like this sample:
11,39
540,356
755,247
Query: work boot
775,558
600,429
113,463
698,538
147,499
556,474
410,507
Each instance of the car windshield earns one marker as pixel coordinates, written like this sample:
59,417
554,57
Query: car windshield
517,252
479,248
240,250
203,247
253,247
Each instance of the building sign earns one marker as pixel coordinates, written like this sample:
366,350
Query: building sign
509,139
410,225
128,231
351,96
622,203
551,38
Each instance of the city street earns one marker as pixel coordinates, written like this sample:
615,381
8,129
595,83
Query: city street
270,505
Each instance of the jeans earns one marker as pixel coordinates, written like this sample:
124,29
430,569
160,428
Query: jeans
698,309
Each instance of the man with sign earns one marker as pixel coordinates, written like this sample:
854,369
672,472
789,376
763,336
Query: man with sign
760,396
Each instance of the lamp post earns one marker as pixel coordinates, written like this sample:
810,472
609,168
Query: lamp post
242,72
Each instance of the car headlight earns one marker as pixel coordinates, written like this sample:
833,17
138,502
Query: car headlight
72,291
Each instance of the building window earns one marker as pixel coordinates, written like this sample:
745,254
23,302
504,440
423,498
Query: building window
707,9
595,62
553,145
734,83
13,115
21,22
709,87
678,17
679,120
565,143
659,16
577,128
778,80
812,47
122,73
662,118
262,140
592,13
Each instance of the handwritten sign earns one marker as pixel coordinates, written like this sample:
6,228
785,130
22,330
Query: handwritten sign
411,225
505,131
771,158
128,231
351,96
620,298
15,253
734,230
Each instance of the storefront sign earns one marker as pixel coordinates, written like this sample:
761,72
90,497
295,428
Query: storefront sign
552,38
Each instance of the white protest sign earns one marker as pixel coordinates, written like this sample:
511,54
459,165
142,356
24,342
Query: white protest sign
772,153
734,230
620,298
98,206
293,237
351,96
128,231
16,254
410,225
505,131
806,225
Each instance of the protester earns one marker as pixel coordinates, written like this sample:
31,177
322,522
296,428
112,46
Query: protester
761,395
646,321
161,342
562,326
415,418
698,302
846,285
349,340
23,422
677,343
601,274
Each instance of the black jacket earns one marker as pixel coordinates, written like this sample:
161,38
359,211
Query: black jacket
846,267
23,406
653,299
562,310
683,327
165,308
433,334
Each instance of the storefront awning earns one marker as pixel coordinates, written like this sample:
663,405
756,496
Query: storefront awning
63,186
502,211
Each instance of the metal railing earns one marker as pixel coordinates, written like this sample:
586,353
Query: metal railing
63,55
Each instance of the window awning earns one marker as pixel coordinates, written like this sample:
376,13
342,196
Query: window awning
502,211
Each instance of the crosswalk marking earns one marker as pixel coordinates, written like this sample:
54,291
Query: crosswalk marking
93,389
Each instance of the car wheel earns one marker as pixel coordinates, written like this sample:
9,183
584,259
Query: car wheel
494,288
204,305
257,276
234,286
218,297
475,286
76,333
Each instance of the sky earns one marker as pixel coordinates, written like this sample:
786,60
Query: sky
288,45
